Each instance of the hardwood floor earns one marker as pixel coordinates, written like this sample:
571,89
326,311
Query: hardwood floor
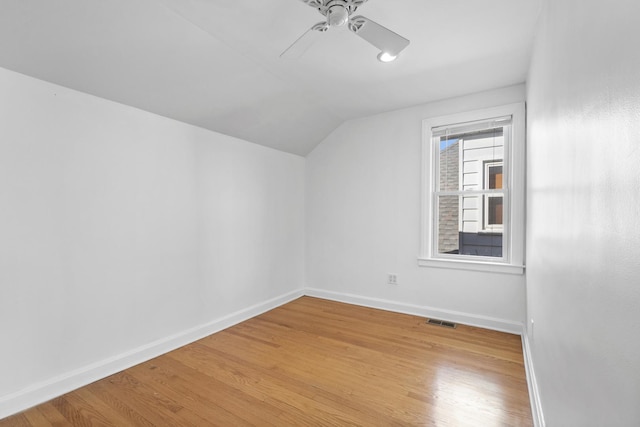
312,362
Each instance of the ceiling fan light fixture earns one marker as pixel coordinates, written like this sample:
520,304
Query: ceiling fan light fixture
337,15
386,57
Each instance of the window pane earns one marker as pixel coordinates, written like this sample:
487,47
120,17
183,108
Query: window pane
482,156
448,220
449,164
495,210
481,244
472,214
465,237
495,177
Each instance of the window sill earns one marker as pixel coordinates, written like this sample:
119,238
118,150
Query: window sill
490,267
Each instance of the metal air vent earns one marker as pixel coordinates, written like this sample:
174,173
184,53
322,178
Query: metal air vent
438,322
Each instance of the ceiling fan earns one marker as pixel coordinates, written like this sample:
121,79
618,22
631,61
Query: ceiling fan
339,13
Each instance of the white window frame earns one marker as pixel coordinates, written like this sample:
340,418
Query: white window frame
512,261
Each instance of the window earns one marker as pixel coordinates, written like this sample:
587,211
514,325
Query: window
473,190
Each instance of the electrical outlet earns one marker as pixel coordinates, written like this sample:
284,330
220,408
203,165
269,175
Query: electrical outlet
392,279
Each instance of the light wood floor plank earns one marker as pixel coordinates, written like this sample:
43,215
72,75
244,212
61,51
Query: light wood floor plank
312,362
50,413
35,417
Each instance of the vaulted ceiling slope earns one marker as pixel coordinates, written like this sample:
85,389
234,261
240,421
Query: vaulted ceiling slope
216,64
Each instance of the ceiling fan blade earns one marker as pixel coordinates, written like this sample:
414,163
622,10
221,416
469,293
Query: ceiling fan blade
305,41
379,36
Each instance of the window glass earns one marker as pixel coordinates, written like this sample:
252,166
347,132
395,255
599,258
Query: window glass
469,198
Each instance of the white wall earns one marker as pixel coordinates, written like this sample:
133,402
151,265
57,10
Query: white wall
583,251
119,228
363,220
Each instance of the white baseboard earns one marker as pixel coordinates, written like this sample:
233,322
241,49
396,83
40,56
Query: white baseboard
486,322
534,393
64,383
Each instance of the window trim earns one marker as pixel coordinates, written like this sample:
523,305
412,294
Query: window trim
514,158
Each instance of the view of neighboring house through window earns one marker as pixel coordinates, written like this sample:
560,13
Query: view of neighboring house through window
474,203
470,196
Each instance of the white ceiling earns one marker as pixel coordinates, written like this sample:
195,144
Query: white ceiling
215,63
